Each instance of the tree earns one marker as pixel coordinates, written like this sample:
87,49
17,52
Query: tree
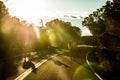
64,33
95,22
7,68
42,42
3,10
104,20
104,24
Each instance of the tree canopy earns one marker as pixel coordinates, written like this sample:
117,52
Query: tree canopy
63,32
104,20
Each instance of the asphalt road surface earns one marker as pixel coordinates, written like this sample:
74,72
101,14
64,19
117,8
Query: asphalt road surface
61,68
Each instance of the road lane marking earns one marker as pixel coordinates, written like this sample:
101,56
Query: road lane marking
27,72
92,68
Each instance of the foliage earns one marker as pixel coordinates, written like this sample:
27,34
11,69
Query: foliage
104,25
95,22
98,21
88,40
7,68
64,33
3,10
42,42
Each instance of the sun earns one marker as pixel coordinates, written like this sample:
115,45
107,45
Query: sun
30,10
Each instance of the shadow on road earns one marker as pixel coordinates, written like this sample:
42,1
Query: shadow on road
60,63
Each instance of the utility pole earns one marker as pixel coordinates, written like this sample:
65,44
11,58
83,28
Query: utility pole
41,21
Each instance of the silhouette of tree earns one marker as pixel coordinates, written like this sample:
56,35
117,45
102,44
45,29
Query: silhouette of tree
104,24
95,22
104,20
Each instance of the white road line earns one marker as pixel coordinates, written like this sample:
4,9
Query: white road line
27,72
92,68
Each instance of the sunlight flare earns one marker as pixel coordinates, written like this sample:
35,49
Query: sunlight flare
29,9
52,38
36,29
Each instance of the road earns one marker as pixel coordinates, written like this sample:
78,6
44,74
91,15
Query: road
61,68
57,68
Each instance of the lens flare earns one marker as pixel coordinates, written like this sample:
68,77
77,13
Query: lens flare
82,73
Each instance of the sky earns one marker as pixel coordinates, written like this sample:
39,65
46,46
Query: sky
34,10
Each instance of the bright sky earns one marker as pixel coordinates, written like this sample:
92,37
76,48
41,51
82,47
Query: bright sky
33,10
